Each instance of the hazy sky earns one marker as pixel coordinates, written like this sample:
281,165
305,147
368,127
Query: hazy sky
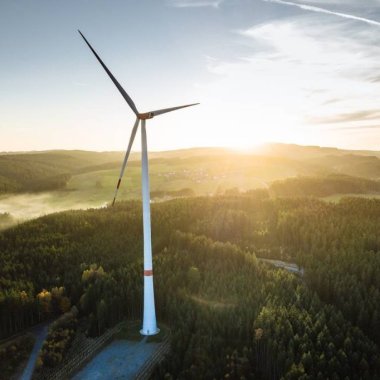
305,72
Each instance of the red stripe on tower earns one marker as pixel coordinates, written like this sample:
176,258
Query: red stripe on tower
148,272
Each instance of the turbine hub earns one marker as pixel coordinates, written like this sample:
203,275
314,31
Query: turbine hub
146,115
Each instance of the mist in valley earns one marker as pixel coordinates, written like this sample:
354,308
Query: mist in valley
22,207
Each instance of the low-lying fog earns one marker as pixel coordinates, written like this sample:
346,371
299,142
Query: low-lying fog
21,207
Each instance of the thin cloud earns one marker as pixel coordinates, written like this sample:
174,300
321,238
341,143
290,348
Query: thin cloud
195,4
347,117
355,128
313,8
301,82
331,101
374,79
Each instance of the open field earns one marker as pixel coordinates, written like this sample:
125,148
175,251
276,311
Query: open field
35,184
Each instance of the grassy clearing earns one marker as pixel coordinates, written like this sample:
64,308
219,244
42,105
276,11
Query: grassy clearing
213,304
335,198
96,188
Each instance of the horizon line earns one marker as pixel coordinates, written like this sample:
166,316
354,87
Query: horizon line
253,148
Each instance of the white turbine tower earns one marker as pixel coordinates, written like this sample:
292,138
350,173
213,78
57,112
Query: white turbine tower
149,320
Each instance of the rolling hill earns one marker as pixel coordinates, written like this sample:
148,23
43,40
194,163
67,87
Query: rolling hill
51,170
38,183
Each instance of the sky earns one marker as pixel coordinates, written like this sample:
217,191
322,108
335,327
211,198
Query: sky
304,72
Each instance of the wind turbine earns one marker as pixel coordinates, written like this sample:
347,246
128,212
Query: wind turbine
149,319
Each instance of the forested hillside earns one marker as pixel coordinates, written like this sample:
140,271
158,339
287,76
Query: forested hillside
202,170
231,316
28,172
324,186
36,184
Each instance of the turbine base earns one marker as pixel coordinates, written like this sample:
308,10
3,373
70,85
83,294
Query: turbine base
149,333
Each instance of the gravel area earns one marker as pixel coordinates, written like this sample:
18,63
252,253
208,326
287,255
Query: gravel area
121,359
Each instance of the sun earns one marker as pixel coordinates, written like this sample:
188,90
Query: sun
246,146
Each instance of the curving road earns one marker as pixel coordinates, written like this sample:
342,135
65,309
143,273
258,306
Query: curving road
40,332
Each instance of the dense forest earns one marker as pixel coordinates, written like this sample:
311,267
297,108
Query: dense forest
231,315
324,186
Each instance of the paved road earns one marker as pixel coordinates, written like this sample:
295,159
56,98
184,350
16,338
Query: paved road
40,333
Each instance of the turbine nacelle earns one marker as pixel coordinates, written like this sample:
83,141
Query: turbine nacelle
145,116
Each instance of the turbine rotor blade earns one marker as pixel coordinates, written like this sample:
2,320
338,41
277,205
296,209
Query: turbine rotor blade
165,110
131,139
116,83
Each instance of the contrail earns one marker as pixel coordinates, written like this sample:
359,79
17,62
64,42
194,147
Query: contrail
312,8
